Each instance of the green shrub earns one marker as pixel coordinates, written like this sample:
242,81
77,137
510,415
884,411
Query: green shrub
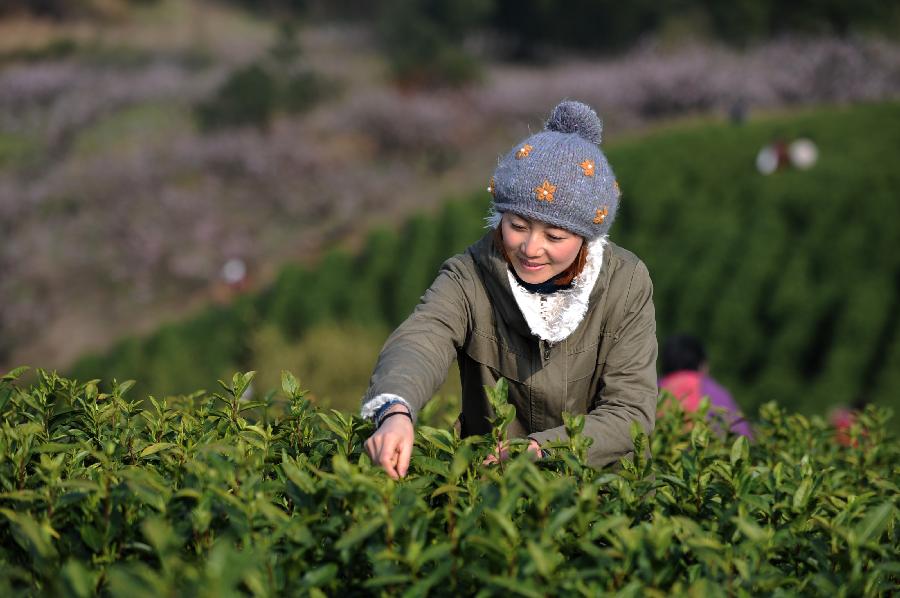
253,94
420,258
607,26
339,383
209,494
248,97
369,298
792,278
423,40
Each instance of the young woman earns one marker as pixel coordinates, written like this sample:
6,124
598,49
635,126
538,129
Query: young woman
543,300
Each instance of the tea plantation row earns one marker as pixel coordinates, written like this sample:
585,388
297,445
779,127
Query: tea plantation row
211,496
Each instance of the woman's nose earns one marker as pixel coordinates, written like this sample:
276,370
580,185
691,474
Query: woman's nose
531,247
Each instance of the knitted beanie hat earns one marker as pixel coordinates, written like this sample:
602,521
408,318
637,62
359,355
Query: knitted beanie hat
560,176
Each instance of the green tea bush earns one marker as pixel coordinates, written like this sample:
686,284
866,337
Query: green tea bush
376,289
792,279
210,495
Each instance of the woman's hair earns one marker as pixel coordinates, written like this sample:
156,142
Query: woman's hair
681,352
563,278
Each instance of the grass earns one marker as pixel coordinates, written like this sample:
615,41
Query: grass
334,360
17,150
133,128
172,25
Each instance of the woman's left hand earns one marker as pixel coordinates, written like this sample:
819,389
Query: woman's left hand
502,452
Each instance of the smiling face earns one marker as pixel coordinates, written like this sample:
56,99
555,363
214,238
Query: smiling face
537,251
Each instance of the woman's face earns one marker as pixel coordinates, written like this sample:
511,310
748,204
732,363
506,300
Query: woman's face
538,251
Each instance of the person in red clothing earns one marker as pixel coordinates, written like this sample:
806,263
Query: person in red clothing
843,418
685,373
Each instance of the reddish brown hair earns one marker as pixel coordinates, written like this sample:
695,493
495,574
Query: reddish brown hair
567,275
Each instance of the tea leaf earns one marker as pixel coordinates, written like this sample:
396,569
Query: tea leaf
35,537
359,533
15,373
291,385
875,522
740,449
802,494
152,449
319,576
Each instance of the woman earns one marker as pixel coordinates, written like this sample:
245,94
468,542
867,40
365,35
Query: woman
544,300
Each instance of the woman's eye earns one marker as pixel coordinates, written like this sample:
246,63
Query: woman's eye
554,238
518,227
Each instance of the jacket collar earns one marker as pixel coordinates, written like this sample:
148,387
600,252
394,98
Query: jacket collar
493,269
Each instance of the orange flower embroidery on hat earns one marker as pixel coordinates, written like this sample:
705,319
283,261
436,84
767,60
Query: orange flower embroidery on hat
523,151
491,189
588,167
601,216
545,191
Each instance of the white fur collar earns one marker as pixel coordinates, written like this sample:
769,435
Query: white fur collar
555,316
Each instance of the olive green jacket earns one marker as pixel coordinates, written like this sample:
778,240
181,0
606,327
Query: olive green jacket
605,369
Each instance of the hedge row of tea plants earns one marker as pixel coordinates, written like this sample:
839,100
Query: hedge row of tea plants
376,288
793,280
207,495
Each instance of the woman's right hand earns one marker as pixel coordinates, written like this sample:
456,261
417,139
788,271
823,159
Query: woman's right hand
391,444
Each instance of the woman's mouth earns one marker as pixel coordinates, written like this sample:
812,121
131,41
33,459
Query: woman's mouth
531,265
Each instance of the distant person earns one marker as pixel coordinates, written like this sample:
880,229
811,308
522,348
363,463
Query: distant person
737,112
233,280
772,157
843,418
685,373
543,300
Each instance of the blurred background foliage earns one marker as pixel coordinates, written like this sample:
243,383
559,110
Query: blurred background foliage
429,42
253,94
339,150
794,281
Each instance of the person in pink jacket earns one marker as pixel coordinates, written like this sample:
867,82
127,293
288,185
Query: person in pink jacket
685,373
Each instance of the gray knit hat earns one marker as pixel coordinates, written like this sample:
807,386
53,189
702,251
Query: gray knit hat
560,176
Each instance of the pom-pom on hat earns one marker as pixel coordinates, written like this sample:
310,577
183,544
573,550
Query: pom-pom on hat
560,176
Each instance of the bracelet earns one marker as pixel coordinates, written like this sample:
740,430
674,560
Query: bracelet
406,413
383,409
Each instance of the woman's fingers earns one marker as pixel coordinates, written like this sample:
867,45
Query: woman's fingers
404,452
501,453
373,446
391,446
388,459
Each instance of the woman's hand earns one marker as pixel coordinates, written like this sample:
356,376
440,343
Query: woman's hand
391,444
502,452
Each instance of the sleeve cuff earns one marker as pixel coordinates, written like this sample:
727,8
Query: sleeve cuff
371,407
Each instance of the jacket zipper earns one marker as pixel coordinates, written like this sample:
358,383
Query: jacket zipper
544,348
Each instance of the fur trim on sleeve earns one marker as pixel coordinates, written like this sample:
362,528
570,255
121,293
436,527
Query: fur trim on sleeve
371,406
